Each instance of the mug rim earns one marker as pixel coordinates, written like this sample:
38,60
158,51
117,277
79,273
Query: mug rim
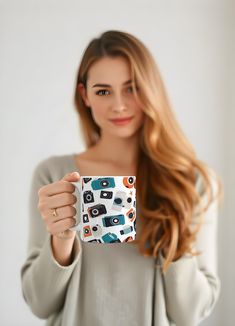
108,176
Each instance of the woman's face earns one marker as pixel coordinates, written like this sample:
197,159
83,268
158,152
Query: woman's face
109,95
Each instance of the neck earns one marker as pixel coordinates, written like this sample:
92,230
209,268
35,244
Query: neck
119,151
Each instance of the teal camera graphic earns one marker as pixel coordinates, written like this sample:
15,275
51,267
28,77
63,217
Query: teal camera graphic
113,220
103,183
110,238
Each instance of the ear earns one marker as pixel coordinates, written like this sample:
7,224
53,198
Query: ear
82,90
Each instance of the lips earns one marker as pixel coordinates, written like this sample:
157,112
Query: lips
121,119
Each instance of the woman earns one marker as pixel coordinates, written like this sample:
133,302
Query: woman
168,275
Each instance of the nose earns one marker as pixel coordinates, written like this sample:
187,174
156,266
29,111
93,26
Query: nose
118,104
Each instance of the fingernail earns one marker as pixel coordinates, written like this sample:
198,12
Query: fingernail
75,174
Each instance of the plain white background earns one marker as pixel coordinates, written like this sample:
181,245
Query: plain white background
41,43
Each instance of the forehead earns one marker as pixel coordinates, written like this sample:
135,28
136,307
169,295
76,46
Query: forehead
109,70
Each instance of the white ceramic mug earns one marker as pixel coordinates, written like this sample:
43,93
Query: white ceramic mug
106,208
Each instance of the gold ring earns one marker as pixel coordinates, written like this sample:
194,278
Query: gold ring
54,212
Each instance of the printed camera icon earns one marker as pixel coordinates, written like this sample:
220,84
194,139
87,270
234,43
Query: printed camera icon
121,200
126,229
102,183
88,197
113,220
96,230
110,238
131,214
85,218
129,182
106,194
95,240
97,210
87,231
86,180
129,239
134,224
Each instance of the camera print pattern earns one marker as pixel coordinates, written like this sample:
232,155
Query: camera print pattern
108,207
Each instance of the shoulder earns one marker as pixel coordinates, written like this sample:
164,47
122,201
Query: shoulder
54,167
200,182
212,208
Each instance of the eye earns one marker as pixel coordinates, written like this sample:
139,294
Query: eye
131,89
101,90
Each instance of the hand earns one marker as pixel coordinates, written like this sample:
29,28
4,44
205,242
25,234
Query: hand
59,196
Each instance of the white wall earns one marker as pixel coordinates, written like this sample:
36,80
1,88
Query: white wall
41,44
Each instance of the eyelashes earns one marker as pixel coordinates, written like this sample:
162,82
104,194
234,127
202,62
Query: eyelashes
101,92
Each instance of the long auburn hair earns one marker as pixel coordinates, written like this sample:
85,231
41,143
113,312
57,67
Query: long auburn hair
167,197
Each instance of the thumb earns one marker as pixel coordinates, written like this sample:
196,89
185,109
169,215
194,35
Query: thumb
73,176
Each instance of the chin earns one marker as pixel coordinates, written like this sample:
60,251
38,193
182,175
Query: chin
125,133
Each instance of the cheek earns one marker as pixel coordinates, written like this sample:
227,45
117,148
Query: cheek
97,105
98,112
141,116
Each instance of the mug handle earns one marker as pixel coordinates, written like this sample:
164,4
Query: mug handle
77,226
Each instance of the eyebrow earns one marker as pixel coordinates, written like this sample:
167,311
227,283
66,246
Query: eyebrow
106,85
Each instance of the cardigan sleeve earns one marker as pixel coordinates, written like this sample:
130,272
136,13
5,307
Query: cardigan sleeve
43,280
192,285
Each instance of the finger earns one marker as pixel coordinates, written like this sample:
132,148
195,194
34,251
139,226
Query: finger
73,176
63,185
62,225
62,213
47,204
61,200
